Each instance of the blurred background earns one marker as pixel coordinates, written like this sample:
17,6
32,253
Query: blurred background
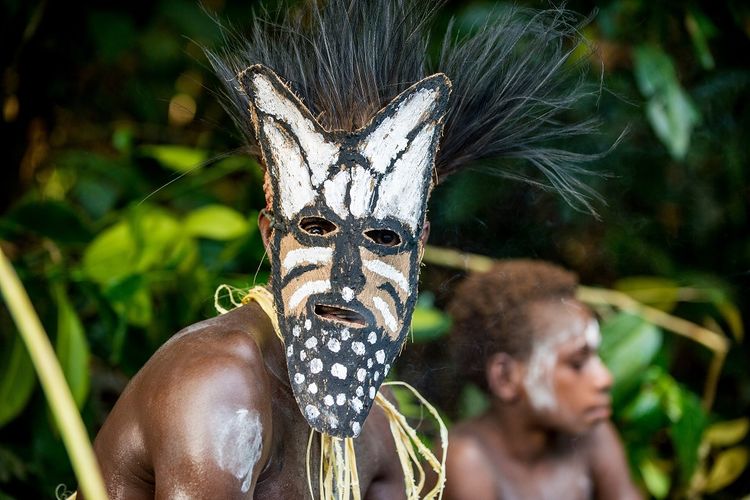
126,199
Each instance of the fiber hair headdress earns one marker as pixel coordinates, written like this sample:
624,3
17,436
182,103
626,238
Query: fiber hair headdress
512,80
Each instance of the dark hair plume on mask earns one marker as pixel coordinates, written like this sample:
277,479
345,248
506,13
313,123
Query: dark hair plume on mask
513,80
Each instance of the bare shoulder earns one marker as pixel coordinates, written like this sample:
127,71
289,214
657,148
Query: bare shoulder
201,406
608,464
469,474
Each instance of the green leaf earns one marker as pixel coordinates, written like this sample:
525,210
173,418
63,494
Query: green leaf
148,239
727,467
429,323
216,222
111,256
655,477
71,347
701,29
179,158
645,412
137,308
16,380
629,345
670,111
686,433
727,433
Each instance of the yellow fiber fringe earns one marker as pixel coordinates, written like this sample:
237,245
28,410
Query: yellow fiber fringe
338,478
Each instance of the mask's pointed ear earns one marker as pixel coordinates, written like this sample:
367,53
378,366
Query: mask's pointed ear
390,131
295,148
401,143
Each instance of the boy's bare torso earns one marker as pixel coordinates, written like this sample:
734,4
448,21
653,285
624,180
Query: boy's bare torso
212,415
573,468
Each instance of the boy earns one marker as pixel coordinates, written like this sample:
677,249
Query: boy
521,335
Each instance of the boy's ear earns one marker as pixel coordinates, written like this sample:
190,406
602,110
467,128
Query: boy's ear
504,377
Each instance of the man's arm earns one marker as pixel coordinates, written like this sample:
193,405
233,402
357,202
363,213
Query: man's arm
198,416
609,466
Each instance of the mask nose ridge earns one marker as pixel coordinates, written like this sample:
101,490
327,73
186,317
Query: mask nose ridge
347,276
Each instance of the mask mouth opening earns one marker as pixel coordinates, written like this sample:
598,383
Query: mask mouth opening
336,314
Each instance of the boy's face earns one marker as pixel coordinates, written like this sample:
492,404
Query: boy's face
565,380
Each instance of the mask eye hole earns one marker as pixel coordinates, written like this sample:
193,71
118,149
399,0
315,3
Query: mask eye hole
317,226
384,237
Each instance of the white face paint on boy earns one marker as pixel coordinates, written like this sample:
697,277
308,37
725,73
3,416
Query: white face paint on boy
349,213
539,379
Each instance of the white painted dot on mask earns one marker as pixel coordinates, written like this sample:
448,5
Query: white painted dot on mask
372,393
360,392
298,378
372,337
338,370
380,356
302,355
369,363
296,331
334,345
356,428
347,294
290,351
316,365
345,334
311,342
308,324
340,399
328,400
312,388
376,376
357,404
361,372
333,421
386,370
358,348
311,412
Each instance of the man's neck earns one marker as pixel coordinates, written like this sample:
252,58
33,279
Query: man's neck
522,439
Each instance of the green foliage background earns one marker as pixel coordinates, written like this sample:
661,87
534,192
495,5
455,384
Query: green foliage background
126,199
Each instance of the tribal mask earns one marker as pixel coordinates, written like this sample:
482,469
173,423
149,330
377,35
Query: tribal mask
348,217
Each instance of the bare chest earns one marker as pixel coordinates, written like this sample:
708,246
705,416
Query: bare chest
290,474
567,477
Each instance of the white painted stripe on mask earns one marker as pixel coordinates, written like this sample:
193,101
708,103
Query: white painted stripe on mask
307,289
311,255
334,191
320,152
386,141
402,192
381,306
389,272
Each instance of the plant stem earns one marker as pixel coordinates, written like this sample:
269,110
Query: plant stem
53,383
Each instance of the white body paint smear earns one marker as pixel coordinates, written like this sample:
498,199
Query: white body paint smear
238,444
538,381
